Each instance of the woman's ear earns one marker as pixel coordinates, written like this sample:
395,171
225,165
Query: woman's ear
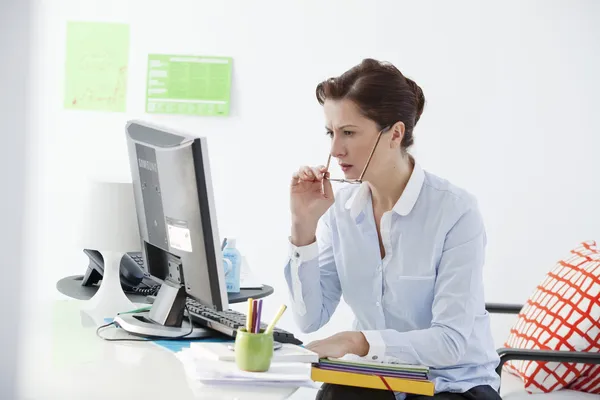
397,134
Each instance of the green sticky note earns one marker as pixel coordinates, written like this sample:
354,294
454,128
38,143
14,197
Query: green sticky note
189,85
96,66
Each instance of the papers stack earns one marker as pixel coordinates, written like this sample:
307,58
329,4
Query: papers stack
223,352
405,371
210,372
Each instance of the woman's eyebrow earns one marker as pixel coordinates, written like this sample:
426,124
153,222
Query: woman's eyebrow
343,126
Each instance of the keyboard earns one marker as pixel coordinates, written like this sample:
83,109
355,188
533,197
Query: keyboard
228,322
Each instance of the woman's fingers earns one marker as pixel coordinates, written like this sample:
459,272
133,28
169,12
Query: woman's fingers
317,173
306,174
312,344
327,189
310,174
295,179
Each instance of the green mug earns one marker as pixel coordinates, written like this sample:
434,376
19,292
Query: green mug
253,351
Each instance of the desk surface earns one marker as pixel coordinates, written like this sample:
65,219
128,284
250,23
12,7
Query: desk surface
65,360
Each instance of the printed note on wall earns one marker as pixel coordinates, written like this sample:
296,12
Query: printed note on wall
96,66
191,85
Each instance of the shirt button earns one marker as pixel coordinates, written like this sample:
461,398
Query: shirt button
374,358
297,255
378,304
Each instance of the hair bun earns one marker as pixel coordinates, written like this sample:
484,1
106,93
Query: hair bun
419,96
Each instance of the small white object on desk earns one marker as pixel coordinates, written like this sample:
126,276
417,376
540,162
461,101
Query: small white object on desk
247,279
109,225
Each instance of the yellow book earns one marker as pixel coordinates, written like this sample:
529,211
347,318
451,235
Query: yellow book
372,381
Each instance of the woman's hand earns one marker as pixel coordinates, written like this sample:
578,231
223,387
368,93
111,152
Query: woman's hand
340,344
311,195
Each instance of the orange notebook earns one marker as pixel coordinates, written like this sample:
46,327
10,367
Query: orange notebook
372,381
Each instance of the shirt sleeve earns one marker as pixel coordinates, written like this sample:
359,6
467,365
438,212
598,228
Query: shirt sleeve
312,280
455,303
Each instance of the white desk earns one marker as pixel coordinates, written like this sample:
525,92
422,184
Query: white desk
63,360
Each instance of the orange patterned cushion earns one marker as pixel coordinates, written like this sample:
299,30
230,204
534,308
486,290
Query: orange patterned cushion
563,313
589,381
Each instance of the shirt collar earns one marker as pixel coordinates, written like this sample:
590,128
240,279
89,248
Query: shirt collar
357,202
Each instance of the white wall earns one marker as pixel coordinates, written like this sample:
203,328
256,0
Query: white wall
512,91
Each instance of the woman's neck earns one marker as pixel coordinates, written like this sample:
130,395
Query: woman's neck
387,188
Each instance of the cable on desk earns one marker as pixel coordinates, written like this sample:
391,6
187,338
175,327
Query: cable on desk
146,340
149,291
115,340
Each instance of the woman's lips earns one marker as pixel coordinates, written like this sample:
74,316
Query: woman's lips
345,167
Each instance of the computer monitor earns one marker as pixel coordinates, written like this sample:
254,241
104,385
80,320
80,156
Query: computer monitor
177,221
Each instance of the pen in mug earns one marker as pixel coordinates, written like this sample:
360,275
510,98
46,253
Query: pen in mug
254,314
258,315
249,316
271,326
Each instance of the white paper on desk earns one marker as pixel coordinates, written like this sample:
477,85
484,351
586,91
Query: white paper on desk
210,371
220,351
252,383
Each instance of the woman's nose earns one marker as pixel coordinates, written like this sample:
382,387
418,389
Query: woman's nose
337,148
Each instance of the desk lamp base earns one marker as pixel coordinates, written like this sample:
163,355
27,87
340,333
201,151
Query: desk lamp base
110,299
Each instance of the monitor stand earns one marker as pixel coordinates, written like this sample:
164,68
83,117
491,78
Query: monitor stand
165,319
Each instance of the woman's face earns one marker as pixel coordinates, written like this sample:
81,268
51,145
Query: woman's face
353,137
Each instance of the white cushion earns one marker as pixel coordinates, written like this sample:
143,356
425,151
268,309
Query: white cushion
512,389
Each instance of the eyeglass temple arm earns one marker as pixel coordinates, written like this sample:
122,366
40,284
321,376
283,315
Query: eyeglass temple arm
344,180
371,155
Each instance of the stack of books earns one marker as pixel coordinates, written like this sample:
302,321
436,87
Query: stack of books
362,373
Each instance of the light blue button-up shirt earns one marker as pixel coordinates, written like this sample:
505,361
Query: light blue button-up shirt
423,303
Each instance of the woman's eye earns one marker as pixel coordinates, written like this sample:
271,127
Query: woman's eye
329,133
348,133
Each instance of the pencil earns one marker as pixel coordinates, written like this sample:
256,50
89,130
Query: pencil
249,316
271,326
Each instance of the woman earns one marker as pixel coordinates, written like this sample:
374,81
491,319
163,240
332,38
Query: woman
404,247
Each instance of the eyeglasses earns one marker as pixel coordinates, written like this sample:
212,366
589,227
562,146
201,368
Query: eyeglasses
360,179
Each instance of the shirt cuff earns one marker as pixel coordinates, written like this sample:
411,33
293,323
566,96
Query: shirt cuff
304,253
376,346
297,256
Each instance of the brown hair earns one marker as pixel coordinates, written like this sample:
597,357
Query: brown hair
381,93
